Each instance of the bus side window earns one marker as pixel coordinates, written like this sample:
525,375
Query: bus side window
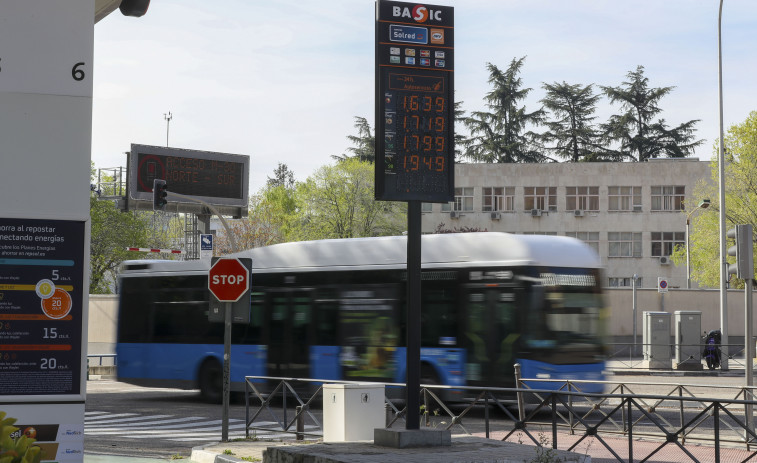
327,323
438,318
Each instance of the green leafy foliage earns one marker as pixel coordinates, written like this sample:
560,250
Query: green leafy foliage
740,179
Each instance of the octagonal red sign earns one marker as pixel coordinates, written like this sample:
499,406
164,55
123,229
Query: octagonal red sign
228,279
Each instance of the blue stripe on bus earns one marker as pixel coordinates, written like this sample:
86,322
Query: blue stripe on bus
182,361
532,369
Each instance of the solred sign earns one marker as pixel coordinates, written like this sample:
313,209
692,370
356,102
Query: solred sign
228,279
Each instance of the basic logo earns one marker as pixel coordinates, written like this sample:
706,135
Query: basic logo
418,13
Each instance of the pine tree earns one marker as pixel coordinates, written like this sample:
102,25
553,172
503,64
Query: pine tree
502,134
639,136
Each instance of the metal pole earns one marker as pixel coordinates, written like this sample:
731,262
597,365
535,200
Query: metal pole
749,352
168,118
688,264
633,292
721,184
226,372
413,357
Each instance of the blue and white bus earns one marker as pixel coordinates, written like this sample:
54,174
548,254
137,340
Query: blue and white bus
335,309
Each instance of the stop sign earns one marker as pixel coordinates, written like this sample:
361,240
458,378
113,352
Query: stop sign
228,279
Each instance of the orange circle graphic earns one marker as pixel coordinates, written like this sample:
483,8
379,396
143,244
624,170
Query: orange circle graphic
58,305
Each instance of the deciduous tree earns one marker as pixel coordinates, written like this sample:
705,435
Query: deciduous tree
740,204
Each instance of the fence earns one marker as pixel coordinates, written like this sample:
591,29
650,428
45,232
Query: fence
638,355
627,426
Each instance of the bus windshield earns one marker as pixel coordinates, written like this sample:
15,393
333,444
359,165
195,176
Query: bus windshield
564,314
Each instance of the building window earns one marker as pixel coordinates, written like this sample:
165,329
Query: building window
624,244
427,207
624,198
540,233
663,243
498,199
668,198
624,282
583,198
464,199
540,197
590,238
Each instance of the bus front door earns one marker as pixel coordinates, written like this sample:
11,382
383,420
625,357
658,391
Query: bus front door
491,335
288,319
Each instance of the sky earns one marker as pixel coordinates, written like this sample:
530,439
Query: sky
283,80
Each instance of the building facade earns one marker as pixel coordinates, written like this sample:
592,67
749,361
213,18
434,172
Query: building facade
632,214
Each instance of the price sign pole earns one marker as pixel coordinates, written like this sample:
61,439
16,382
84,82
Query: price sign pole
414,138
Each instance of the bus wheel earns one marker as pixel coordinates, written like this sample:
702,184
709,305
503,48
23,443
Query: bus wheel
211,381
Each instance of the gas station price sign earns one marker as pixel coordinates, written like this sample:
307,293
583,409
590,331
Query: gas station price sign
414,102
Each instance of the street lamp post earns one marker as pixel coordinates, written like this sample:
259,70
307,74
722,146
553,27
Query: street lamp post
703,204
721,202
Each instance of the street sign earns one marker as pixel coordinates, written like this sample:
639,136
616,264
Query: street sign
228,279
662,285
415,154
206,246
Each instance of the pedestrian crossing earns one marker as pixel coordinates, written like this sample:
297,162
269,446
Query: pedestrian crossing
196,429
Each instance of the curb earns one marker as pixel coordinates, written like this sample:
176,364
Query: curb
200,455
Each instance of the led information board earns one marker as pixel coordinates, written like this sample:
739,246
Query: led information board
217,178
414,102
41,295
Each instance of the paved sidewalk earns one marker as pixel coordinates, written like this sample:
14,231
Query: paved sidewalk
592,447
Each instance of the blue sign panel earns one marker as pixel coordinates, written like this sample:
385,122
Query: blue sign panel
408,34
206,242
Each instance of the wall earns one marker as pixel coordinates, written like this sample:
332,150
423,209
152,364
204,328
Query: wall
103,319
706,301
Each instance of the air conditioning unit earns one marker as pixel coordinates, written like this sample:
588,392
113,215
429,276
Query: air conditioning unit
664,260
454,214
637,208
496,216
578,213
535,212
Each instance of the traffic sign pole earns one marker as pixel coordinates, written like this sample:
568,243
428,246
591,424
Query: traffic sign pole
228,281
226,371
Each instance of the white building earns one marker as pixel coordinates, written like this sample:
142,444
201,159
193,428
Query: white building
631,213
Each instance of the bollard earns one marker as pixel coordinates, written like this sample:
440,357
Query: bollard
389,414
519,385
300,422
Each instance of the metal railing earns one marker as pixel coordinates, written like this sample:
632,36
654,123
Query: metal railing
635,355
628,425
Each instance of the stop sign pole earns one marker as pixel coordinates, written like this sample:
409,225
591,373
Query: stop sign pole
228,281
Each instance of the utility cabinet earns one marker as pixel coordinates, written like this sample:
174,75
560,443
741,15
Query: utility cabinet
656,338
688,339
352,411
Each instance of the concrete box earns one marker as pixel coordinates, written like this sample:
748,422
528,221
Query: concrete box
352,411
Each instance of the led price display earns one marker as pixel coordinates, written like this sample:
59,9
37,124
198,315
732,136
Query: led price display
219,178
414,102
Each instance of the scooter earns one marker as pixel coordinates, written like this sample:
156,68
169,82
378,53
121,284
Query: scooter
711,351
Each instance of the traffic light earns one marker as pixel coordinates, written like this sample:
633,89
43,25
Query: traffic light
742,250
159,194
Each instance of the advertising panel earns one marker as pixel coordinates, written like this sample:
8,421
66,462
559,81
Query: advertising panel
41,296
